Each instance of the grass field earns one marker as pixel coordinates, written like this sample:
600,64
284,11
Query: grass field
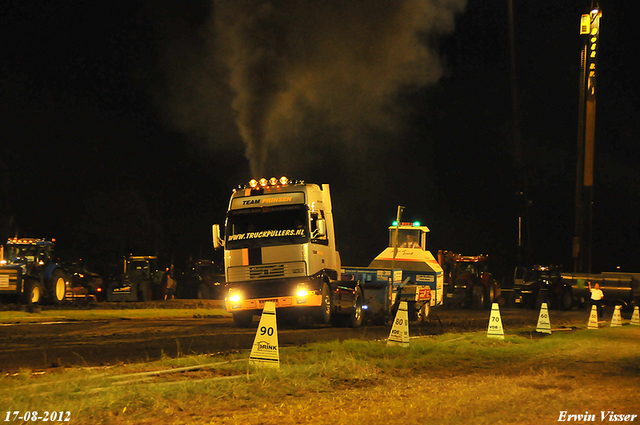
448,379
97,314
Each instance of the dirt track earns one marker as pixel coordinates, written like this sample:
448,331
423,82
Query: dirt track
102,342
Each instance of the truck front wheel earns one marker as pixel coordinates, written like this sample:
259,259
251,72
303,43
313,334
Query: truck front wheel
57,287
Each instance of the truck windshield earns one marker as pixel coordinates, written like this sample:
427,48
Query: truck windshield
254,227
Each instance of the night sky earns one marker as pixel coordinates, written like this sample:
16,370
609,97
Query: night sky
126,124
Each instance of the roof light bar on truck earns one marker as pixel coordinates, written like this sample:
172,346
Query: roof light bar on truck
264,183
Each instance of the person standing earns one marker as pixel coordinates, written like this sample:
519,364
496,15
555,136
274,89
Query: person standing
596,298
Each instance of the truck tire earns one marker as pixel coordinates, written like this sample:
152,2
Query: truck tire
32,292
355,318
57,287
243,319
324,313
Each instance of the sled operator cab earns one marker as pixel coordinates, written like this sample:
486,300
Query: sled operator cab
407,250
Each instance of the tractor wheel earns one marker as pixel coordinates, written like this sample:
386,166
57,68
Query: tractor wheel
32,292
144,291
478,297
243,319
490,295
57,287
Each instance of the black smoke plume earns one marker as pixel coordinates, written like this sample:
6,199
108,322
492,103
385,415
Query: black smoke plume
300,77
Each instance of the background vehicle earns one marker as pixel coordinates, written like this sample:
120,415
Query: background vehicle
468,282
84,284
535,285
30,273
141,281
202,279
618,288
279,245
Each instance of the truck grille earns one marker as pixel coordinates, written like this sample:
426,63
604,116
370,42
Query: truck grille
259,272
269,271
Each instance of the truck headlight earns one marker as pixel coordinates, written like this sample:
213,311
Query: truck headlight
302,292
235,296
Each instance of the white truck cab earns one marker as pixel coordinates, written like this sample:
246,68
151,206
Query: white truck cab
279,245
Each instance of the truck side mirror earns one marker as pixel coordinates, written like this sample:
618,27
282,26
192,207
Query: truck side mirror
322,227
217,240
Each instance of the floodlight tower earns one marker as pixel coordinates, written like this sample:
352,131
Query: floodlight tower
590,31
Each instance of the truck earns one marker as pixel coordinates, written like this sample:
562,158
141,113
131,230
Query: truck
468,282
279,245
29,272
141,280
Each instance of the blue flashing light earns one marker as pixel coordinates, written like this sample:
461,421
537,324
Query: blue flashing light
395,223
416,223
365,307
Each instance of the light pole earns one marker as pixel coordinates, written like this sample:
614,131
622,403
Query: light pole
590,30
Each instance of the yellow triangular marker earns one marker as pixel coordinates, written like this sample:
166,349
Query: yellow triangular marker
616,319
495,323
635,319
265,345
593,318
544,324
399,334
